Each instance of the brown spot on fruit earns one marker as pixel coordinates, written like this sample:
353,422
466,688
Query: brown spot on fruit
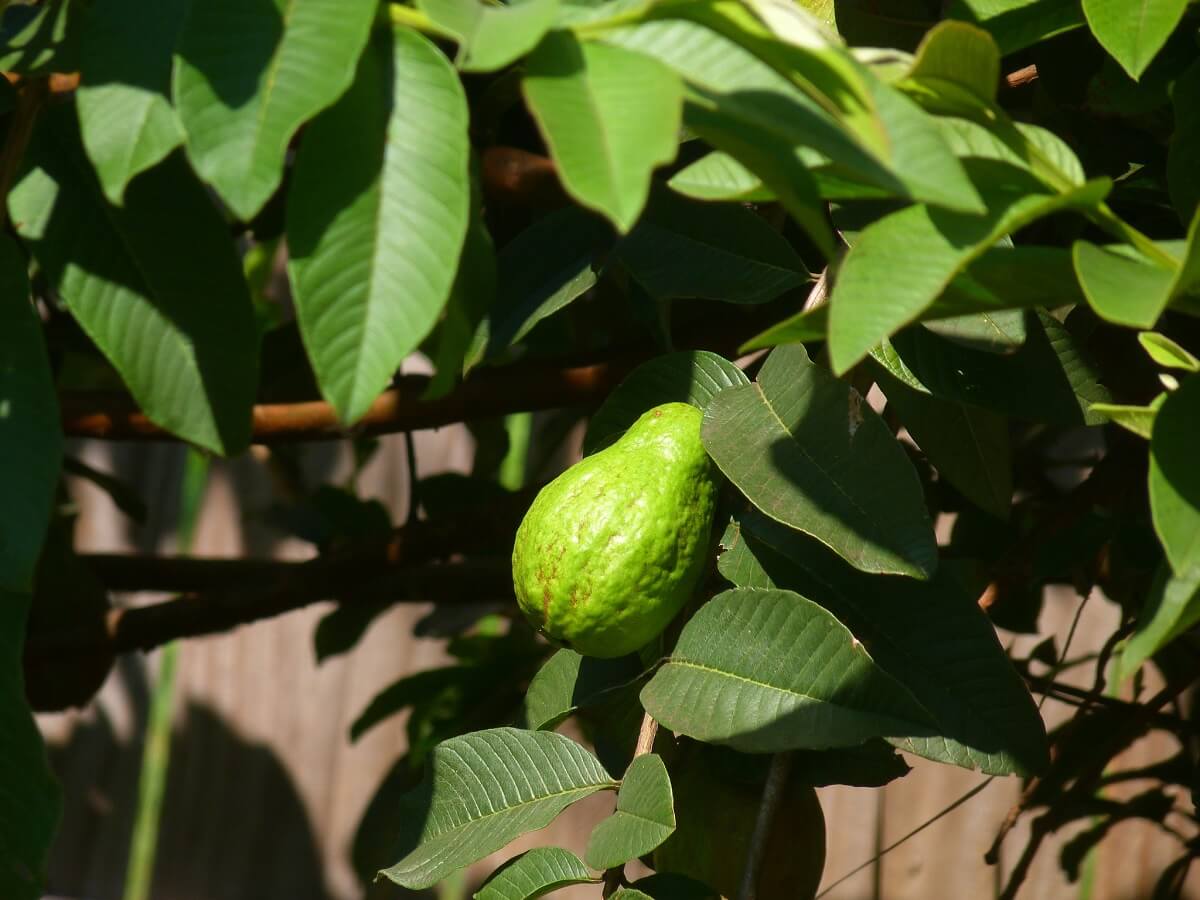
546,603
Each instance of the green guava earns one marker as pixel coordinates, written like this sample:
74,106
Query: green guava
613,548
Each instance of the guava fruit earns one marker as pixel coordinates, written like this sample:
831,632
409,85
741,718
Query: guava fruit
715,817
611,549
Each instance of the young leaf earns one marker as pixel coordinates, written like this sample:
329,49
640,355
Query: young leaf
1133,31
30,798
690,376
1121,285
718,176
1167,353
969,446
1175,478
768,670
242,101
169,306
645,816
377,213
539,871
808,451
546,267
901,263
491,37
930,636
715,251
485,789
961,55
125,112
1172,607
1136,419
568,682
30,434
610,117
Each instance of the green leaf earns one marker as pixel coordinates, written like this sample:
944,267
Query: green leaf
491,37
1133,31
125,112
377,213
534,873
30,798
242,101
1121,285
930,636
568,682
1136,419
968,446
1049,379
1183,179
168,305
645,816
420,687
485,789
543,269
1175,478
609,117
714,251
30,434
38,40
901,263
1166,352
993,332
690,376
809,452
471,296
1172,607
718,176
962,55
769,670
1016,24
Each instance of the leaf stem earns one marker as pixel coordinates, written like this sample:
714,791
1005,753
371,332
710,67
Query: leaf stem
772,796
645,744
410,17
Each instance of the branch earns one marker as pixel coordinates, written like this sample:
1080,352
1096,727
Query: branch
772,797
522,387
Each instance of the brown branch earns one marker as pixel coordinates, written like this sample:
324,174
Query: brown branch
772,797
194,615
1021,77
521,387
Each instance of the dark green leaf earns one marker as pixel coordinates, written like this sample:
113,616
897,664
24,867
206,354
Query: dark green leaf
994,332
377,213
715,251
1175,477
534,873
930,636
768,670
125,112
808,451
610,117
43,38
241,101
546,267
485,789
969,446
872,764
568,682
691,376
30,435
30,798
644,818
156,284
1172,607
1016,24
1183,177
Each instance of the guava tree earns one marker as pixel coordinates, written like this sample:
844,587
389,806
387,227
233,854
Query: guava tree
962,234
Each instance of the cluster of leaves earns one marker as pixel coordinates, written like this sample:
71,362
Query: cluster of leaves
1010,265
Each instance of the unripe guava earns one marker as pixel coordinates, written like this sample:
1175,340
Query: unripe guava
613,548
715,818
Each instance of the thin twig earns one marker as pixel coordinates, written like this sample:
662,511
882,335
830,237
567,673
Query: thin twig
768,807
615,877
